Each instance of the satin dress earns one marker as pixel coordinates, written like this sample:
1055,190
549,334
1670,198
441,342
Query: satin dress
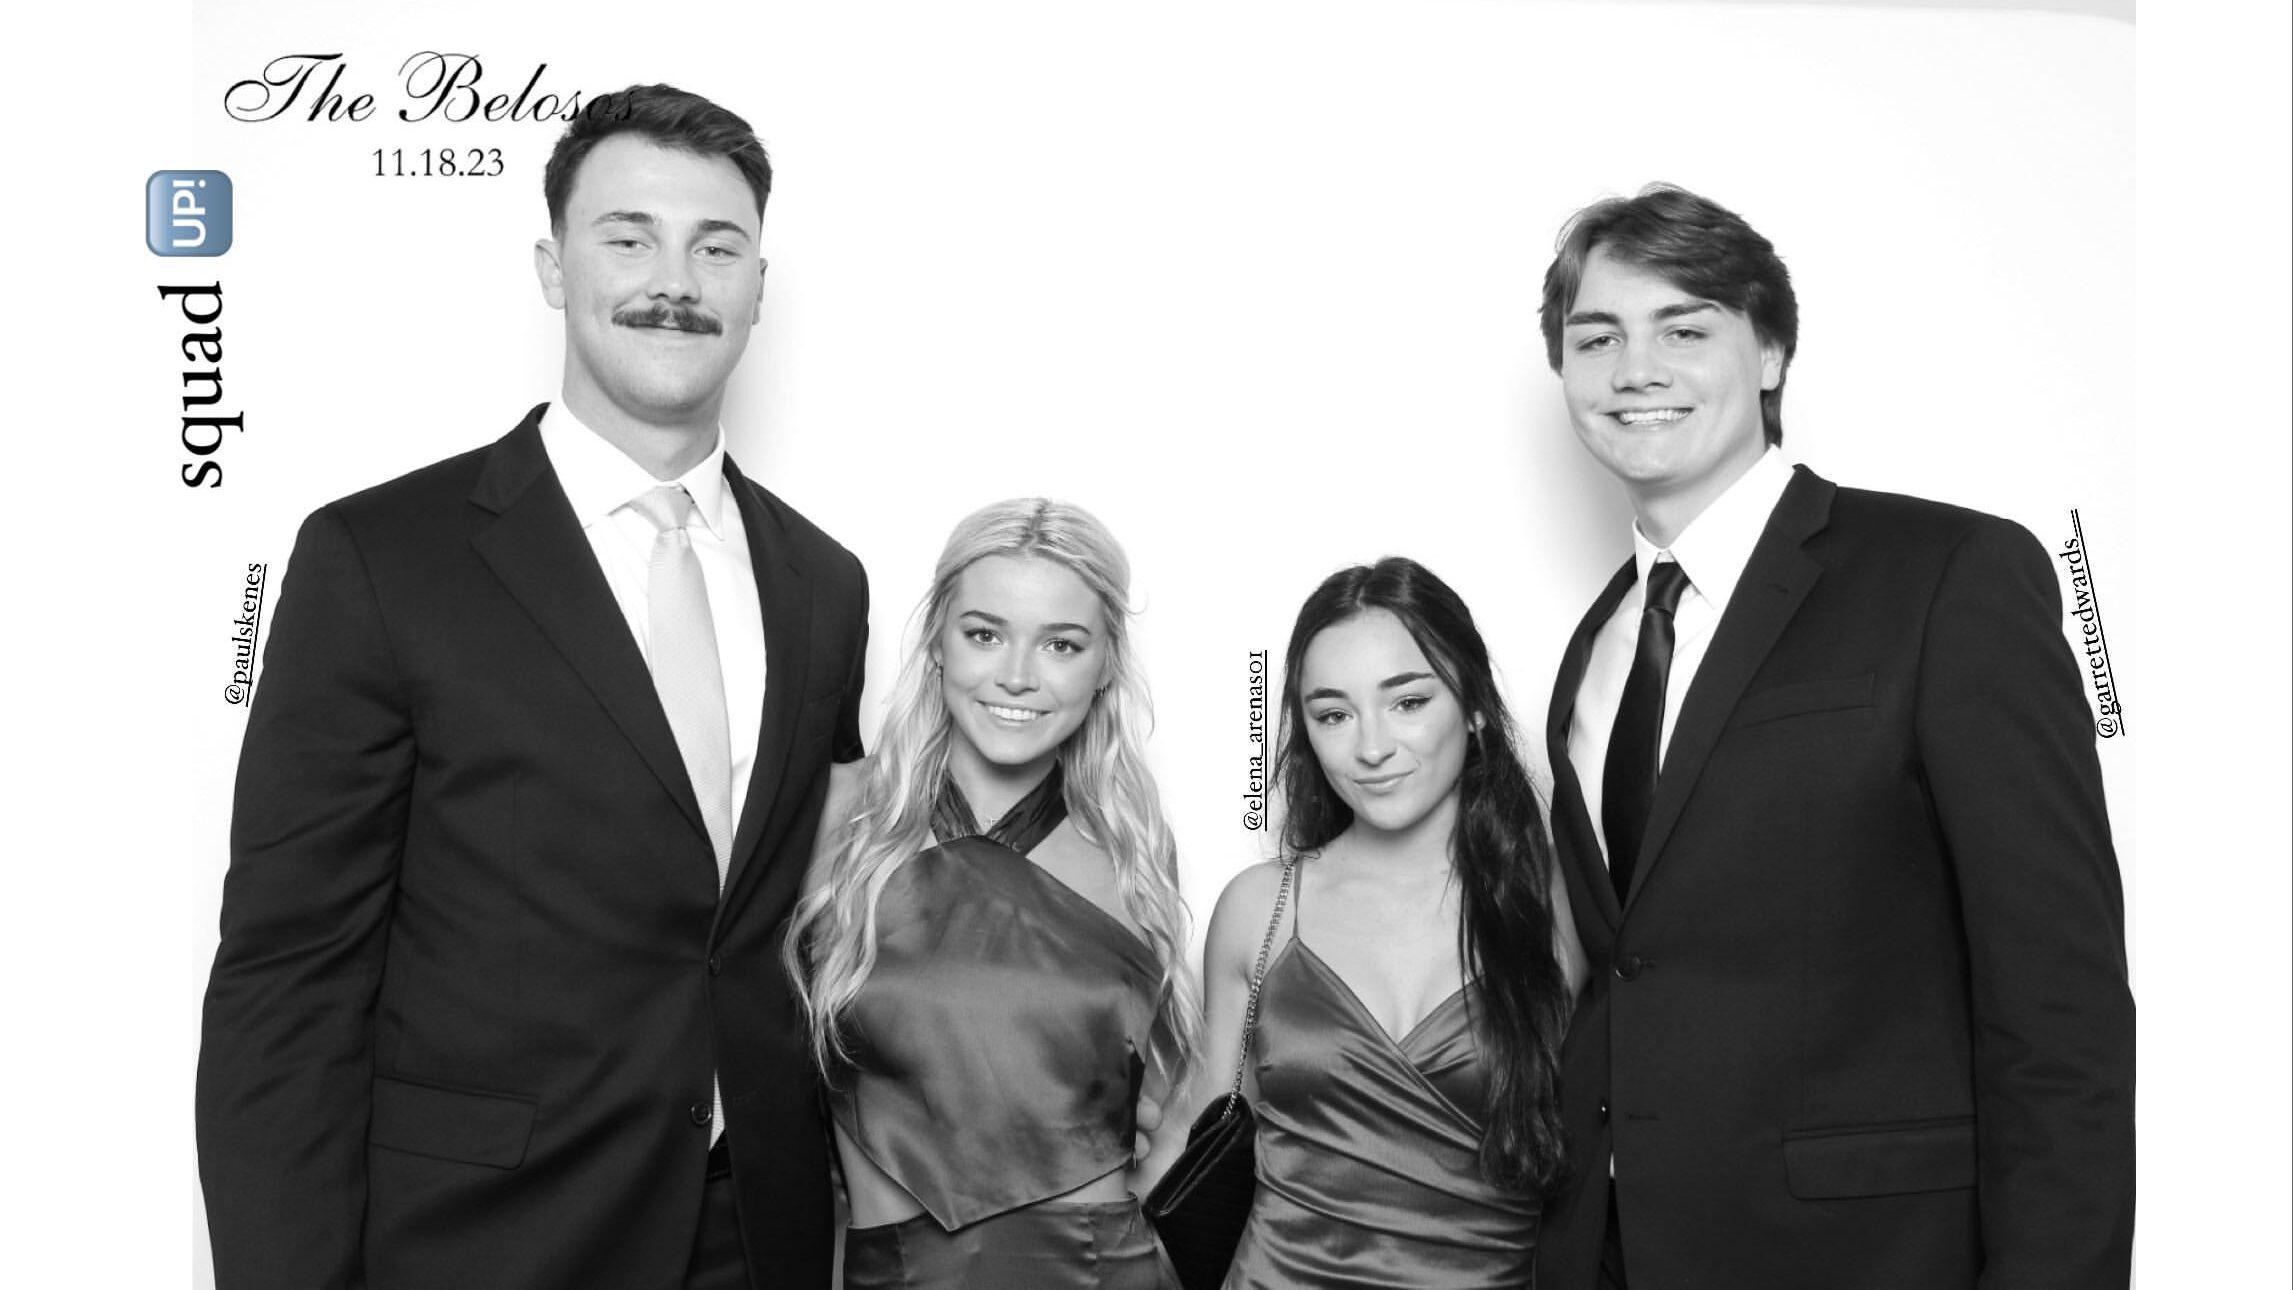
996,1063
1367,1146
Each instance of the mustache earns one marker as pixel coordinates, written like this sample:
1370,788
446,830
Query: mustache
674,317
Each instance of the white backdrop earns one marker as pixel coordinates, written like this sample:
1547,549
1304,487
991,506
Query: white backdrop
1259,289
1255,282
1257,285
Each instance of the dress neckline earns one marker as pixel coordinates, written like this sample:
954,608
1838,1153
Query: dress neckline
1361,1010
1012,838
1030,820
1353,997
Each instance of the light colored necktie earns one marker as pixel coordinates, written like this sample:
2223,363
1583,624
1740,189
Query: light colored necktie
682,640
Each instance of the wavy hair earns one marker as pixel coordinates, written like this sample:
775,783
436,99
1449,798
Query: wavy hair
1110,794
1498,854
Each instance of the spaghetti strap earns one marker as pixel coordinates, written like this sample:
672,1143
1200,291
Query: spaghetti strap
1297,896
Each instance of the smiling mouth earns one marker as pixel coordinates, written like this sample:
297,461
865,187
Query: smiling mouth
1649,416
1017,716
1380,783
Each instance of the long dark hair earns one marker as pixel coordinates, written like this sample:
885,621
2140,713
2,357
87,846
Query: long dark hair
1502,862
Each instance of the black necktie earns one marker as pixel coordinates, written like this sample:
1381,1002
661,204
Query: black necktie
1628,781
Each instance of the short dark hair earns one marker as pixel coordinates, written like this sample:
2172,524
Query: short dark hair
670,117
1498,852
1697,245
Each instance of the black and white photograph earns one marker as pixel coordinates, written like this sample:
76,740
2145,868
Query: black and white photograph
1259,645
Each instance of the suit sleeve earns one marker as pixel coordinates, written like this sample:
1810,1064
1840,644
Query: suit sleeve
847,746
2007,744
318,825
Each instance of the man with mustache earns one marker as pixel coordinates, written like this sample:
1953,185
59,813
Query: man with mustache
526,795
1827,801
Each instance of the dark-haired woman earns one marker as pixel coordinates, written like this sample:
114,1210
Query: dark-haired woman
1409,1024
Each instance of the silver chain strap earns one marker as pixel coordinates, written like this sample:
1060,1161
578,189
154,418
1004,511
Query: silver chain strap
1258,979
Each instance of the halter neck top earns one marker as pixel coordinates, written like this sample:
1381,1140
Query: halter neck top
996,1043
1368,1145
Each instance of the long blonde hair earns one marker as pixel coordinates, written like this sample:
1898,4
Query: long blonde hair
1110,794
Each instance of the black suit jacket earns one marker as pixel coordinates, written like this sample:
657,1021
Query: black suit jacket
475,974
1863,1020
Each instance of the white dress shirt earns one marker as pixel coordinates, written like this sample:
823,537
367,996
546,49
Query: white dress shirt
600,480
1712,551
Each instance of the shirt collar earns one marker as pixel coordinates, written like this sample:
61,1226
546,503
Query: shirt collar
600,479
1717,544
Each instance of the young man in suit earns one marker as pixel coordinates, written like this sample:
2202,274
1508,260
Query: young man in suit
1828,805
527,792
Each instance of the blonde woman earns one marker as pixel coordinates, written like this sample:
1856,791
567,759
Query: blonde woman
989,949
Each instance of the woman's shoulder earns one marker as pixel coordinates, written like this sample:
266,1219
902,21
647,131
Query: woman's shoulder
844,780
1244,907
847,781
836,817
1254,885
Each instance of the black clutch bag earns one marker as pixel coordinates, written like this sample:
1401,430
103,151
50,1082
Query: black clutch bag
1200,1206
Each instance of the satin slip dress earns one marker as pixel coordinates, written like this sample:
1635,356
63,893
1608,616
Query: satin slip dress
1367,1144
996,1062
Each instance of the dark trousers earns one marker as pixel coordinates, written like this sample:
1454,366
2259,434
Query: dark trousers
719,1263
1612,1248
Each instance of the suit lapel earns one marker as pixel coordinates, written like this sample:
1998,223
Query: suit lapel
1775,582
1572,822
536,547
785,596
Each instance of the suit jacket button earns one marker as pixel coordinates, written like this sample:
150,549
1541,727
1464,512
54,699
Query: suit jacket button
1604,1110
702,1113
1630,966
716,965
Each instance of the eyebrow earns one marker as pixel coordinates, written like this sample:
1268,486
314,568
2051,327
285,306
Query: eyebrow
723,226
1393,682
645,219
997,620
1588,317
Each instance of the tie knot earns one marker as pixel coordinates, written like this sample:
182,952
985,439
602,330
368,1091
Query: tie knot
668,507
1666,580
